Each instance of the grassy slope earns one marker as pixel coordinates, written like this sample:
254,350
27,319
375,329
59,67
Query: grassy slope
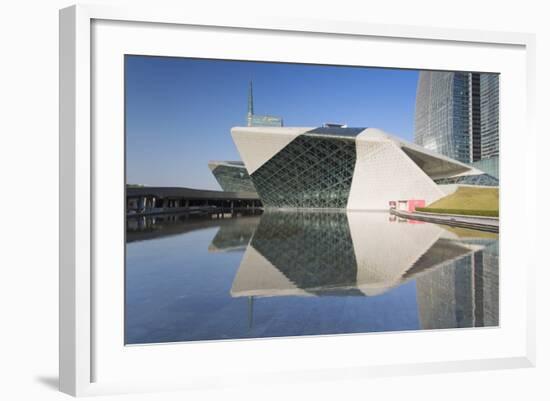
470,200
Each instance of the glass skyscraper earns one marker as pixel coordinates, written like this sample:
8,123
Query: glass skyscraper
457,114
489,96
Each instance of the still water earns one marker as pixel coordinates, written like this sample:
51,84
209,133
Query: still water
303,273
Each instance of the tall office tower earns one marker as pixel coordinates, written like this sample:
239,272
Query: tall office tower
489,124
442,121
475,117
489,93
257,120
457,114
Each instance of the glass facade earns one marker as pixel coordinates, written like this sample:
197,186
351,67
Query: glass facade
233,177
475,116
442,121
489,165
485,180
457,114
315,170
489,89
255,120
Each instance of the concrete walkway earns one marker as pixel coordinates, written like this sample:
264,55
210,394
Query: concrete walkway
490,224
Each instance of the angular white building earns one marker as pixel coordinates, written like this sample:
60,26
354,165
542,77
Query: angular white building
346,168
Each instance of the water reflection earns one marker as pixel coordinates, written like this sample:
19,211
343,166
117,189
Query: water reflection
461,294
304,273
234,236
360,254
297,254
236,229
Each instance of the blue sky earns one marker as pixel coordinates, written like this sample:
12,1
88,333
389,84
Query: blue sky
179,111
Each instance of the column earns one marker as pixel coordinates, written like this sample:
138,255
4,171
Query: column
141,203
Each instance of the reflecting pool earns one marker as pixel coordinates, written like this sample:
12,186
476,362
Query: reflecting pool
285,273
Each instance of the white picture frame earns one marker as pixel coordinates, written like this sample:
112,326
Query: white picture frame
82,289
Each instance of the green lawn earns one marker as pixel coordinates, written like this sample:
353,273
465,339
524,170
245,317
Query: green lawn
467,200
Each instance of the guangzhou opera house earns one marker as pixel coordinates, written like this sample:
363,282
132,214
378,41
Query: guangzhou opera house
346,168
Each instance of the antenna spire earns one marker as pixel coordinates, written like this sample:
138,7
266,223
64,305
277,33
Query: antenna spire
250,104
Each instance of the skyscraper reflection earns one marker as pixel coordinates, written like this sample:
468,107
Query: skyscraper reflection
461,294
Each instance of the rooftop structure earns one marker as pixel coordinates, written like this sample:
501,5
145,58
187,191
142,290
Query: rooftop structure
349,168
258,120
188,193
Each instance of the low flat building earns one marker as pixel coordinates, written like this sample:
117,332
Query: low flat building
155,200
346,168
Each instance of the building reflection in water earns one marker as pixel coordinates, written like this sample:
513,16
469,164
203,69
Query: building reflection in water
294,261
367,254
235,229
461,294
234,237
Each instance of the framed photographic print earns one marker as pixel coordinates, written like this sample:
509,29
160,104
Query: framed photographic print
279,200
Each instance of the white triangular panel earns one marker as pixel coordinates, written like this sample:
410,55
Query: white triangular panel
257,145
384,173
